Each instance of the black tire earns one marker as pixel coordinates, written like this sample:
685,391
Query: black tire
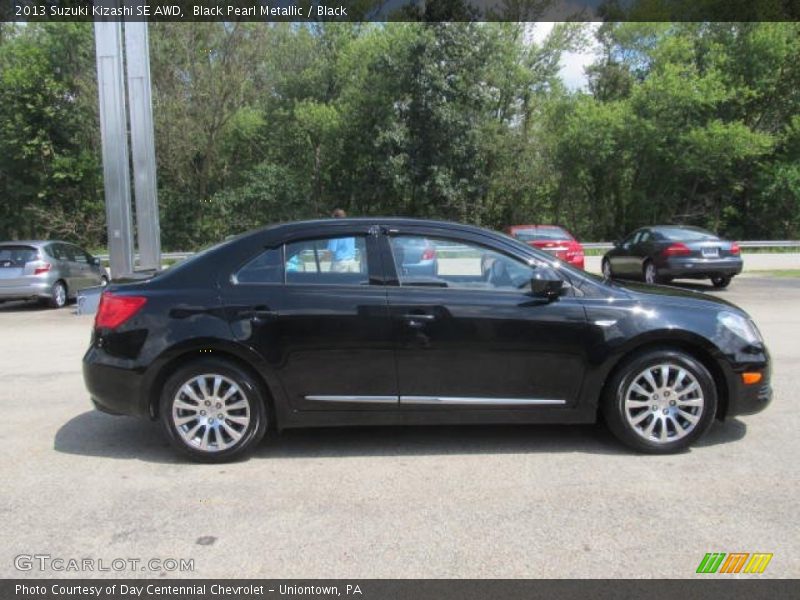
721,281
614,409
103,280
606,268
58,295
251,434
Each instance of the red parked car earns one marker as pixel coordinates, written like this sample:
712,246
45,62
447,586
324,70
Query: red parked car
551,238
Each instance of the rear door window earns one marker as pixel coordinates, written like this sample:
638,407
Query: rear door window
327,261
79,255
69,252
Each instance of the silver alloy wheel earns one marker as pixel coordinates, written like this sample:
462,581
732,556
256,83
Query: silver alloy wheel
650,273
60,294
607,269
210,412
664,403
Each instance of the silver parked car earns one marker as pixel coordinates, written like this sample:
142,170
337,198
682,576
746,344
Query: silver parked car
50,271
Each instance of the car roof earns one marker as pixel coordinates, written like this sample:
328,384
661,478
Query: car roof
536,227
687,227
352,221
37,243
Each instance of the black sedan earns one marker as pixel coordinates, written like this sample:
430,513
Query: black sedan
665,252
271,331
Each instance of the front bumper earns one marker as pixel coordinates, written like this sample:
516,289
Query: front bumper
701,267
748,399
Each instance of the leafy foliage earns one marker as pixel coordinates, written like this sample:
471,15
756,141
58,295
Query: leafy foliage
257,123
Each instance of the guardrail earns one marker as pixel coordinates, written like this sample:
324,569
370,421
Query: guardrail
744,244
164,255
586,245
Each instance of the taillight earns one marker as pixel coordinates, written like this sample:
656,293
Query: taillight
735,248
428,254
42,269
115,310
677,249
574,251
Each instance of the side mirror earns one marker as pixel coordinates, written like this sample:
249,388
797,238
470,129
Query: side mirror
547,288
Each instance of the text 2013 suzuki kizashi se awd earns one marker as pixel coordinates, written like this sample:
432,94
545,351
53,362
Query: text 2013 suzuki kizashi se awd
320,323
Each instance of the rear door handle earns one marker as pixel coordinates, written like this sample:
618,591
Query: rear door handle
417,321
260,314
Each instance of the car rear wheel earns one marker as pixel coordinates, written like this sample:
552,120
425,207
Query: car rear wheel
58,295
720,281
649,272
213,411
103,280
660,402
607,269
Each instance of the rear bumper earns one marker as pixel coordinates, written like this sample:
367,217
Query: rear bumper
579,263
701,267
114,389
37,289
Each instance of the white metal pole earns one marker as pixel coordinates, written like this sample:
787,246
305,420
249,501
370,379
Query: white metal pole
137,61
113,130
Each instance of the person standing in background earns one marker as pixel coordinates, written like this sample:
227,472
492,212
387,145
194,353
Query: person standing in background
343,250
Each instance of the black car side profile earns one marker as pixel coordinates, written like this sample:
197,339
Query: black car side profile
662,253
319,323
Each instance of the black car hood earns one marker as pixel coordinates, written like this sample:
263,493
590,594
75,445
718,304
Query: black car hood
675,296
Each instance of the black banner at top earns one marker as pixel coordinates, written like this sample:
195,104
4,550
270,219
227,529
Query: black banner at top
399,10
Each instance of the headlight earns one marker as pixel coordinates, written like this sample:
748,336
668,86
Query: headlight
741,326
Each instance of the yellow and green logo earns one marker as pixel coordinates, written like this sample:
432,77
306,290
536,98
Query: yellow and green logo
735,562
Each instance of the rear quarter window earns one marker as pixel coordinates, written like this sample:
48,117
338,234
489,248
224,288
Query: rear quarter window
267,267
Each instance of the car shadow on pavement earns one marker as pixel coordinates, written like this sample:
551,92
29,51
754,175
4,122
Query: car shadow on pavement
697,286
96,434
23,306
722,432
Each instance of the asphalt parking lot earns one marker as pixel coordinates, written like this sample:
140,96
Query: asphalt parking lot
510,501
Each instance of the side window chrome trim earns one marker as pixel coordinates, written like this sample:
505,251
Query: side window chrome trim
439,400
361,399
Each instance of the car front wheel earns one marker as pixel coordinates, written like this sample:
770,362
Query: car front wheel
660,402
213,411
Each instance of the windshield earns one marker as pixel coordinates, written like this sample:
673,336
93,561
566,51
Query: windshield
541,233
